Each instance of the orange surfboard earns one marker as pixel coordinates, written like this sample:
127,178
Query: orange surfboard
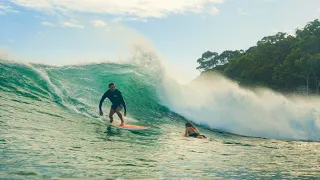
130,127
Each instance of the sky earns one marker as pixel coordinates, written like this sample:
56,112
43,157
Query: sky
59,32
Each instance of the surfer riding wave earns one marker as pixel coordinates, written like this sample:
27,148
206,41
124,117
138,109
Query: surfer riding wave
115,96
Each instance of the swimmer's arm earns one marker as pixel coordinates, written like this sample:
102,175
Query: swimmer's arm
186,134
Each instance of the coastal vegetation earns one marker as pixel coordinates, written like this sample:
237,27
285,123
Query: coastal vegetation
282,62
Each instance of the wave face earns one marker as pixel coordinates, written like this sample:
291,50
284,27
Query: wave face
79,88
151,95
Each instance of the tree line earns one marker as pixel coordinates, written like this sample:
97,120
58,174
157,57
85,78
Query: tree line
282,62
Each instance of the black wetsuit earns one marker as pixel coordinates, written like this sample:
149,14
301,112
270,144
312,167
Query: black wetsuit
194,134
116,99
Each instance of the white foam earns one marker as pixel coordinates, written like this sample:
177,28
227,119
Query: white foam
221,104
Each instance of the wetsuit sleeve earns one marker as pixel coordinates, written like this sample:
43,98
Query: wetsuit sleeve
105,95
122,102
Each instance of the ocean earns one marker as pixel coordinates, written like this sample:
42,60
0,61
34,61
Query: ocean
50,126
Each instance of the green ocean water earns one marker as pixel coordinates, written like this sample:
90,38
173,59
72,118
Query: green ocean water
50,129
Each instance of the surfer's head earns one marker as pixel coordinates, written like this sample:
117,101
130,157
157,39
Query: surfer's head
189,124
112,86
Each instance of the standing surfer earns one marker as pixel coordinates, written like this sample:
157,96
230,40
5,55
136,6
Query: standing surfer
114,95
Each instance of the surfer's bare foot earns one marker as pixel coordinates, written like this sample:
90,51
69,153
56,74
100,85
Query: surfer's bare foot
121,124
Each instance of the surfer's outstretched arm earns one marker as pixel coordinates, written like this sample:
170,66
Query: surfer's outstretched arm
101,101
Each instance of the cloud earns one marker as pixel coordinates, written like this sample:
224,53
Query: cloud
214,10
48,24
4,9
71,24
242,12
133,8
121,19
3,6
117,19
39,17
99,23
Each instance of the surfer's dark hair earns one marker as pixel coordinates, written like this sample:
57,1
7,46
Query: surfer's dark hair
188,124
110,84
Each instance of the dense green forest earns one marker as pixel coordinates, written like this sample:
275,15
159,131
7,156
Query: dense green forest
286,63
